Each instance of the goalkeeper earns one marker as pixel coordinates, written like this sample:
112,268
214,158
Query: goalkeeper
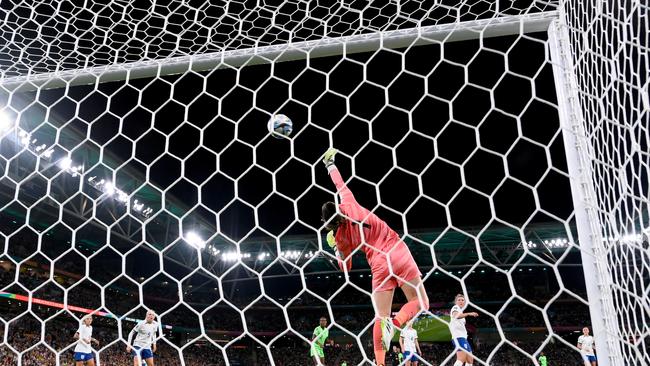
390,259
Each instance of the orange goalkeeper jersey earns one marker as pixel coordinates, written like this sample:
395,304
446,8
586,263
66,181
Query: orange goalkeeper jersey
362,226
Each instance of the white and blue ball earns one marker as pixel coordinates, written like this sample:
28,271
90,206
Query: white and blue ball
280,126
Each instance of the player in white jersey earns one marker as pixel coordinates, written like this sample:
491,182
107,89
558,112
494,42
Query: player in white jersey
459,332
144,345
587,346
408,341
83,352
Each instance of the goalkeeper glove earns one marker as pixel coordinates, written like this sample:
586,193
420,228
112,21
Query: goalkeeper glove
328,158
331,241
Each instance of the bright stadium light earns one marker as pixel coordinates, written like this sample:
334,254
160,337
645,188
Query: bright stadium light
109,188
137,206
122,196
47,153
231,256
65,163
194,240
75,170
24,137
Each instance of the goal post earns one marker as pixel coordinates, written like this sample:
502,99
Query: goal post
578,150
485,28
601,67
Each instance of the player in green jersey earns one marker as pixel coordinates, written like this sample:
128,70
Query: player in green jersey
542,359
318,342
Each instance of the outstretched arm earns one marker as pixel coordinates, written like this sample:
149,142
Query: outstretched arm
459,315
335,175
344,192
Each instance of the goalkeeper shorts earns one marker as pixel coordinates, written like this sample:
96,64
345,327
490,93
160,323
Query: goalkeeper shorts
403,266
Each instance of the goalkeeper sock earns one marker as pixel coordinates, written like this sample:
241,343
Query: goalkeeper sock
407,312
380,356
458,363
380,353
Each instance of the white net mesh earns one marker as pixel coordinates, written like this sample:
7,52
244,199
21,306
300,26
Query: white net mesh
43,36
609,50
129,184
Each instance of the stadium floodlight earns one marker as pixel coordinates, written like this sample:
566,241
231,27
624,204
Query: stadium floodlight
47,153
292,254
137,206
122,196
230,256
109,188
194,240
75,170
24,138
65,163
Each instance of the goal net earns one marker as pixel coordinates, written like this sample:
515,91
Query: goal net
605,46
506,142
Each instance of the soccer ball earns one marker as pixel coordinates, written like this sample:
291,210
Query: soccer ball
280,126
